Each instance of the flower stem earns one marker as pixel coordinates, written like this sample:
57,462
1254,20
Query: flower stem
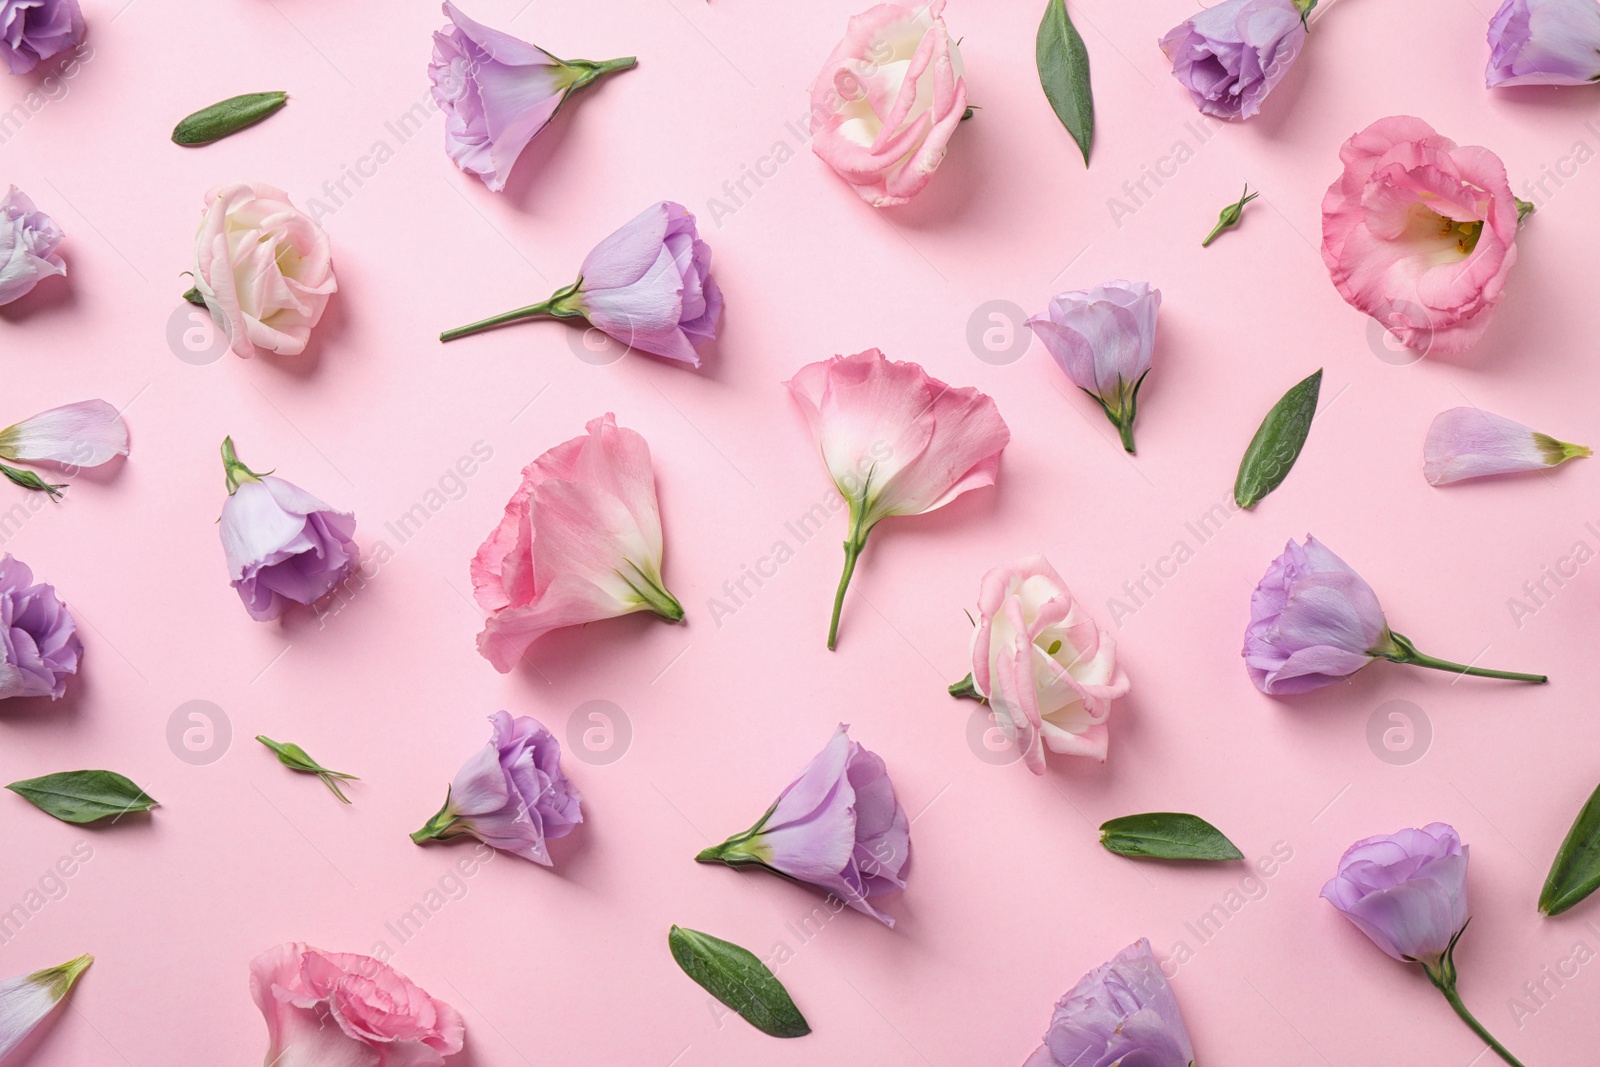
1403,651
967,688
1444,979
653,594
590,71
1125,428
234,470
559,306
438,827
852,552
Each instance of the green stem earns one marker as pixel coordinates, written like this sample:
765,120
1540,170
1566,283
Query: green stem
440,826
852,552
590,71
235,471
1446,983
967,688
1403,651
561,305
1125,428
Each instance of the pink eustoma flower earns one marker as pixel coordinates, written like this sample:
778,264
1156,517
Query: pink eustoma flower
512,794
888,100
895,441
27,1001
1420,233
498,93
1467,443
837,827
338,1008
1046,667
648,285
580,541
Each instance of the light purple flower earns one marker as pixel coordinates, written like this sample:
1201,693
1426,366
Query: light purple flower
283,545
1103,339
837,827
41,639
1406,891
1122,1012
32,30
1472,443
512,795
1544,42
1231,55
498,93
28,242
1313,621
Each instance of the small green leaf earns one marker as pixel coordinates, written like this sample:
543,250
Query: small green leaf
1167,835
296,758
30,480
1064,72
1576,871
83,796
734,976
229,117
1277,443
193,296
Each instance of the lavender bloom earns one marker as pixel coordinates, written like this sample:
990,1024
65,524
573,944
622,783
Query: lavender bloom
1122,1012
28,242
1230,56
1406,891
41,638
1471,443
837,827
498,93
32,30
1103,339
1544,42
512,795
283,545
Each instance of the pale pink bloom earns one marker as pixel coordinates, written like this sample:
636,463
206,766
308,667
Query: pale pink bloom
1472,443
340,1009
263,267
85,434
887,101
25,1002
580,541
1048,670
1420,233
895,441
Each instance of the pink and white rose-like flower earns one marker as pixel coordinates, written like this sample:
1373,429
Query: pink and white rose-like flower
887,101
1420,233
1048,670
340,1009
263,268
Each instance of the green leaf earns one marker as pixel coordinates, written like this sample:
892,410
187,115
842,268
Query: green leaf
193,296
30,480
229,117
1166,835
734,976
298,759
83,796
1277,443
1064,72
1576,871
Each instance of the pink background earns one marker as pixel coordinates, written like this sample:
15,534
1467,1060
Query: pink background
1011,898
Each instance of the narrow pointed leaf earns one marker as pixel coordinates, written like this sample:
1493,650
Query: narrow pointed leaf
83,796
228,117
1277,443
298,759
1064,72
737,978
1165,835
1576,871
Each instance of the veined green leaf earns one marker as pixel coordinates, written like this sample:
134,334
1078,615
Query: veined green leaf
228,117
737,978
1576,871
1166,835
1277,444
83,796
1064,72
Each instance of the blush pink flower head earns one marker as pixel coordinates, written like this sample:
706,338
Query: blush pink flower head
1465,443
338,1008
1046,667
1420,233
838,826
498,93
895,441
887,101
263,268
580,541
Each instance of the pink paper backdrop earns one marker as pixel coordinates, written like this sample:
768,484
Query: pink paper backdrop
1011,898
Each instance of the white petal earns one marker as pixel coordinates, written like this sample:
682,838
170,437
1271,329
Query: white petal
85,434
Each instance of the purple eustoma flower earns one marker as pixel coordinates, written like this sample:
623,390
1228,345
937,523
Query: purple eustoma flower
283,545
498,93
33,30
648,285
837,827
1314,621
1467,443
512,795
1103,339
41,639
28,242
1122,1012
1544,42
1230,56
